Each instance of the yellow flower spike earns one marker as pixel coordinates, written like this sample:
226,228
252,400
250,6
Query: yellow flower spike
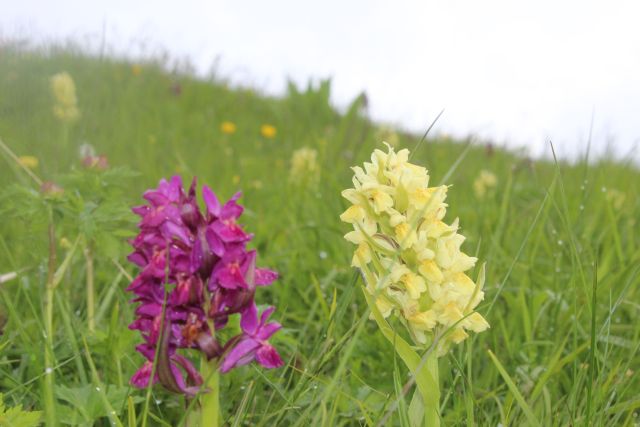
268,131
483,183
30,162
64,93
411,258
304,170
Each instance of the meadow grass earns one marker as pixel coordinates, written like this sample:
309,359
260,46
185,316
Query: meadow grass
560,240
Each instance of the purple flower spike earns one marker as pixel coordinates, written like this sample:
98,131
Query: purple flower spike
195,272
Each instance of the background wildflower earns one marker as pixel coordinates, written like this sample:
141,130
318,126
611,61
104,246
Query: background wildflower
30,162
483,183
227,127
64,92
304,166
268,131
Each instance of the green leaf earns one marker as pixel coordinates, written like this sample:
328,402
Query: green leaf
17,417
514,390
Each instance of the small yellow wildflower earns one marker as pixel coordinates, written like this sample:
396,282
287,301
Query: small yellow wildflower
64,92
410,258
484,182
28,161
268,131
235,179
136,69
304,167
228,127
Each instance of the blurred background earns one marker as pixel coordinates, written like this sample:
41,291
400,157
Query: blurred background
518,73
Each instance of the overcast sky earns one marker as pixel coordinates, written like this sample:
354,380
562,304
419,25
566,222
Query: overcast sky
521,73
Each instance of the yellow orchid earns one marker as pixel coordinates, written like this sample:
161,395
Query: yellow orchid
484,182
305,170
64,92
411,259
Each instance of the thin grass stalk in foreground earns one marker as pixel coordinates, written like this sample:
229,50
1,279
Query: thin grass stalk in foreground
49,402
88,256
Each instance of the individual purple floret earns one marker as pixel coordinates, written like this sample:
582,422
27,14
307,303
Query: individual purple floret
198,267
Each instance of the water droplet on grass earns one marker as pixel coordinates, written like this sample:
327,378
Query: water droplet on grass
48,371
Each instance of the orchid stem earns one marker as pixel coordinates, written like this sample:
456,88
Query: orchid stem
431,411
209,402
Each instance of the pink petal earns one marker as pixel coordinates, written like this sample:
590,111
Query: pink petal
268,357
265,276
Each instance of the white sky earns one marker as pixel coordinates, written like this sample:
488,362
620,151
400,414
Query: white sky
518,72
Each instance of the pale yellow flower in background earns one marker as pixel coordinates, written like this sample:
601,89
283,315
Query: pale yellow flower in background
616,198
228,127
235,179
268,131
30,162
64,93
411,259
136,69
305,169
484,182
388,134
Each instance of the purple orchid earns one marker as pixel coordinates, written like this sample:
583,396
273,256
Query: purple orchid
196,271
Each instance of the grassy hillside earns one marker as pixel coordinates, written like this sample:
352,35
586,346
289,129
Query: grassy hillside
561,243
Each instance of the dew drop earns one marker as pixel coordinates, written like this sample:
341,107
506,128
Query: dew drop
48,371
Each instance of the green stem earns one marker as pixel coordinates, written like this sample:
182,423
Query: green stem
49,401
90,289
209,402
431,411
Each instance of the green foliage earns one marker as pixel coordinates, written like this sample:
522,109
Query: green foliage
17,417
564,336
